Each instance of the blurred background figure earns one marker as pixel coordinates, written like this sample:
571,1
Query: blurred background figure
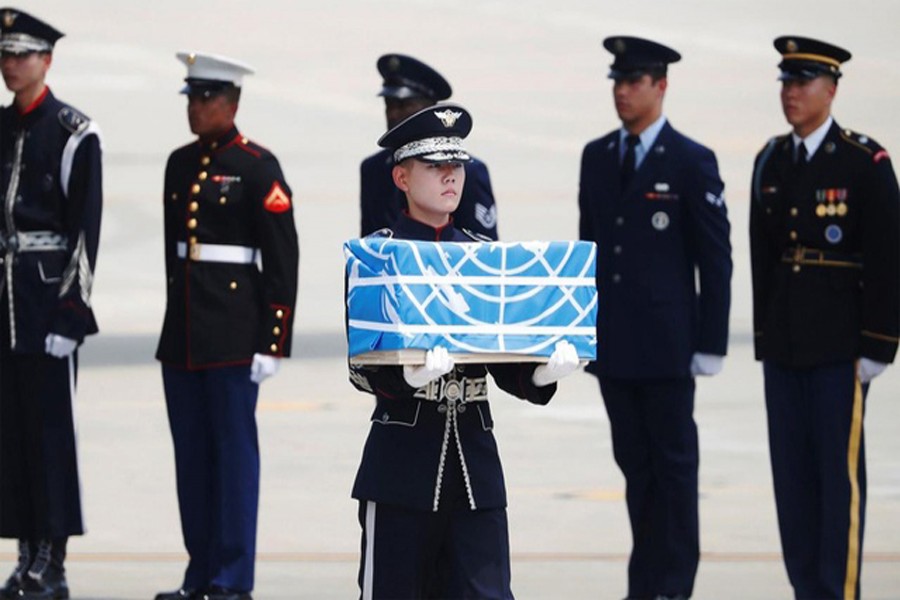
52,200
231,269
825,249
653,201
410,85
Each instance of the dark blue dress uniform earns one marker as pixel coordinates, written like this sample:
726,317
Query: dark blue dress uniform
654,235
50,181
430,483
825,251
406,79
231,264
432,501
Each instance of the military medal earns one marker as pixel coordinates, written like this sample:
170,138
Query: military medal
820,210
841,209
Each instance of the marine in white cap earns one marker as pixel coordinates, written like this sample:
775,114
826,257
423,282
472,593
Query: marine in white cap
231,264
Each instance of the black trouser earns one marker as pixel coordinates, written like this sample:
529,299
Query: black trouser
39,489
654,440
818,457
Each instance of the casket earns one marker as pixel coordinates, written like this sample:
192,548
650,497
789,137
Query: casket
484,301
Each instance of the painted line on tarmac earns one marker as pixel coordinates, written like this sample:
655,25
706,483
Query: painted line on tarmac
352,557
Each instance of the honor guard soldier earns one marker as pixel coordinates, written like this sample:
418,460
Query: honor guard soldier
653,201
50,180
409,86
825,252
432,503
231,266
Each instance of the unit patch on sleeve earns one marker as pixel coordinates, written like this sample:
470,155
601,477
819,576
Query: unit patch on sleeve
277,201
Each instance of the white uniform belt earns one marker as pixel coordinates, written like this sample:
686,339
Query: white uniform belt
224,253
34,241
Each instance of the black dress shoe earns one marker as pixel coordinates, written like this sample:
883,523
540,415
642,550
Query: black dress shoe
50,587
10,589
181,594
220,593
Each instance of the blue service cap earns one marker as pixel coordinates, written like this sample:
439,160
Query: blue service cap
806,58
21,33
407,77
636,56
433,134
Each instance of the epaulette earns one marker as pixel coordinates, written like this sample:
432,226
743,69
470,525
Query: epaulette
384,232
478,237
250,147
73,120
859,140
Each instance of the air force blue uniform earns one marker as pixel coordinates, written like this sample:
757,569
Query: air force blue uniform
825,250
653,237
656,234
408,82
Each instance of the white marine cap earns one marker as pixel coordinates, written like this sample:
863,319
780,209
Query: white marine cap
211,72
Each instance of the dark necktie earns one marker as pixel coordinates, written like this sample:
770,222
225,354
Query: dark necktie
628,162
802,156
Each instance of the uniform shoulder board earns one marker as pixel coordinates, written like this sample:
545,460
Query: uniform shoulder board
478,237
864,143
384,232
73,120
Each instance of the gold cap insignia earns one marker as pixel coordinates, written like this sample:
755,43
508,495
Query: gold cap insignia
393,63
448,117
619,46
791,46
192,58
9,17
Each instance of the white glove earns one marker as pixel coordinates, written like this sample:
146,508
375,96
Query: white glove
706,364
263,366
437,362
563,362
869,369
59,346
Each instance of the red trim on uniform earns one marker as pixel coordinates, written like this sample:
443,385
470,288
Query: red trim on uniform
284,331
246,147
36,103
235,363
230,143
880,155
438,230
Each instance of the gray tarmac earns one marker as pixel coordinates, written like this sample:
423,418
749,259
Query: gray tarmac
533,75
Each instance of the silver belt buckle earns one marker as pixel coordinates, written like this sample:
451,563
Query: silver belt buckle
452,390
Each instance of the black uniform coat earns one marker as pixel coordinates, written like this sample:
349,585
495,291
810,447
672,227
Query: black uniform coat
51,183
405,461
231,192
381,202
652,237
838,298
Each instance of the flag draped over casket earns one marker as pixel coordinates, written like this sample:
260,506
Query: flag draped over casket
483,301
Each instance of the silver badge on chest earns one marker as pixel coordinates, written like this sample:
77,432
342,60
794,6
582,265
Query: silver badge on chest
660,221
